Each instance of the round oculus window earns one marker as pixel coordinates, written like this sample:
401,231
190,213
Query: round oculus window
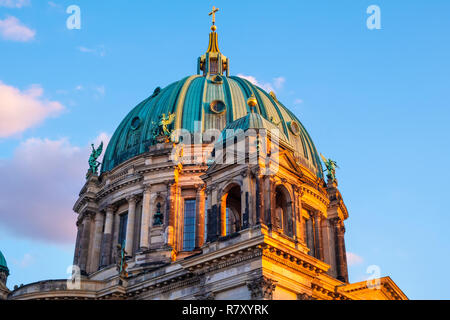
135,123
218,106
295,128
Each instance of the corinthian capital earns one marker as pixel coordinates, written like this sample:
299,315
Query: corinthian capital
132,199
261,288
111,208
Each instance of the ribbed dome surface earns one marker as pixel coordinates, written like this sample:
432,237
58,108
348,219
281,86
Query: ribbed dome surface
191,100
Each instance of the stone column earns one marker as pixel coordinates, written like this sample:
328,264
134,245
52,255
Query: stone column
310,235
97,242
213,215
269,201
175,221
169,205
303,223
200,219
77,243
299,220
260,200
107,237
84,244
169,218
115,241
223,216
290,216
145,220
318,236
247,218
341,257
130,225
329,246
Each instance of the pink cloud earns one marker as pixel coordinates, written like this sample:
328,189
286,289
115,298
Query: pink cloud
353,259
20,110
40,185
12,29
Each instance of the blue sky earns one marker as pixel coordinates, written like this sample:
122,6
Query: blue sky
376,101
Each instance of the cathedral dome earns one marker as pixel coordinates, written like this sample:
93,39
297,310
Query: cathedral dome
208,100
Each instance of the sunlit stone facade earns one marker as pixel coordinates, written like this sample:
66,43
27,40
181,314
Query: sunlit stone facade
233,206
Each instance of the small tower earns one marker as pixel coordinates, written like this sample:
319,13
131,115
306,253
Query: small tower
213,62
4,273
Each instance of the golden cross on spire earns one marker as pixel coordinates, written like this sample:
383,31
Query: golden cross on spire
213,14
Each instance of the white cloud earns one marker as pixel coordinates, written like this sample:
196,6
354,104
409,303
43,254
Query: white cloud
40,185
14,3
12,29
25,261
279,82
298,101
353,259
98,51
276,84
100,90
86,50
20,110
53,4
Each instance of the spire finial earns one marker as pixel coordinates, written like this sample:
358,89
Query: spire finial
213,14
213,62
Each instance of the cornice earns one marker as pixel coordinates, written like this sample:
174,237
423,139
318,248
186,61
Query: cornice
386,285
333,294
119,185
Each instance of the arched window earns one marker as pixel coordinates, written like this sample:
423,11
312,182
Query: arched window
189,225
231,215
283,211
233,221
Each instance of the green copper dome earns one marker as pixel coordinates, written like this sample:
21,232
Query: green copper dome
3,265
209,100
203,102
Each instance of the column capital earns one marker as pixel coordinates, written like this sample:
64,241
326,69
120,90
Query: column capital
336,221
147,188
313,214
88,215
99,216
111,208
170,183
200,187
132,199
305,296
213,186
262,288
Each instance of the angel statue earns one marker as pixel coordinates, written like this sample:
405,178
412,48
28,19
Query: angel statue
331,168
165,122
93,163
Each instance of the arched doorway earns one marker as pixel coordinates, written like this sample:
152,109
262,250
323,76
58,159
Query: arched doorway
283,211
231,215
